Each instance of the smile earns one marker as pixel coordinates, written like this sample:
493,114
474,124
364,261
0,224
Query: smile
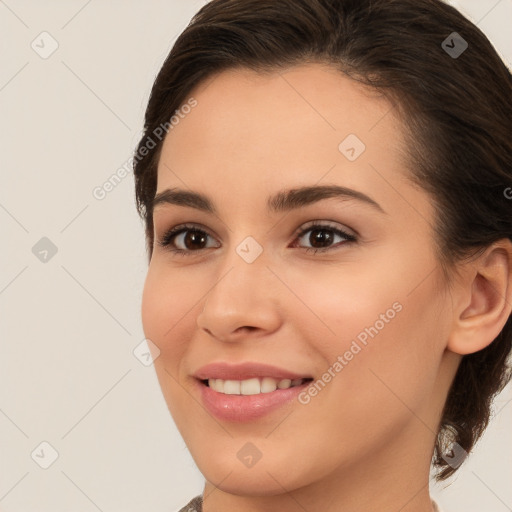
252,386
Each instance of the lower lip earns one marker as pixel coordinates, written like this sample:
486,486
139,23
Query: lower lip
242,408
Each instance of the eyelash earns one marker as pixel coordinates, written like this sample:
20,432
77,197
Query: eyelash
169,236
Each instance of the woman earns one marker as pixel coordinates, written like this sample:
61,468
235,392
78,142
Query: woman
325,186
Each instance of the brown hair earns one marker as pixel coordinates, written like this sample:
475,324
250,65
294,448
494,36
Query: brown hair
457,111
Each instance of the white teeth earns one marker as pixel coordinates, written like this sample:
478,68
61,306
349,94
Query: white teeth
284,384
253,386
268,385
249,386
232,387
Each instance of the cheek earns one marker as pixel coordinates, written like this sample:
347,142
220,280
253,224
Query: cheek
167,311
383,335
167,308
339,303
376,319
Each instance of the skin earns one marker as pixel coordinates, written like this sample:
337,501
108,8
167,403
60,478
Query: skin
365,441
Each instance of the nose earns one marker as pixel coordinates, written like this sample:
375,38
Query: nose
244,301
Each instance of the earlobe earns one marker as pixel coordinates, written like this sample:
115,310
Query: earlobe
486,302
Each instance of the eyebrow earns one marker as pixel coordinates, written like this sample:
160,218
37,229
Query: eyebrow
284,200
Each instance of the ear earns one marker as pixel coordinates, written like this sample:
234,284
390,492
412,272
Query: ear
484,299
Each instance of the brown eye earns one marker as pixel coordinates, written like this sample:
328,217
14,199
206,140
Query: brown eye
192,239
322,237
185,239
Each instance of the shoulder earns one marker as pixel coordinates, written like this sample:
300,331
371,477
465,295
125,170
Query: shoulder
194,505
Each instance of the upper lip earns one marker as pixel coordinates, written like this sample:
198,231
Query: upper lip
243,371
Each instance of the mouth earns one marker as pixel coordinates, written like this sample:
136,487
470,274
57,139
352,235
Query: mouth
247,391
242,401
253,386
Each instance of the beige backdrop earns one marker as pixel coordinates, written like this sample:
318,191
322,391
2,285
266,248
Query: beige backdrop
83,425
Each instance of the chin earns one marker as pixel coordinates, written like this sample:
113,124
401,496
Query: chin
269,477
249,482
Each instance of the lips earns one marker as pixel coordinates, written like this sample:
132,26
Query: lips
245,371
246,392
235,408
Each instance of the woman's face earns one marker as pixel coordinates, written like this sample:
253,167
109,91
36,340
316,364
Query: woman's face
364,317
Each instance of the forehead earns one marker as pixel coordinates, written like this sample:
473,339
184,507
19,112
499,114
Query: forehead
251,128
307,105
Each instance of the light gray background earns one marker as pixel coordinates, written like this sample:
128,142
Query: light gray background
69,325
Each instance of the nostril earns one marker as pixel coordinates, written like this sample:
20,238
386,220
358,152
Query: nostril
247,327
